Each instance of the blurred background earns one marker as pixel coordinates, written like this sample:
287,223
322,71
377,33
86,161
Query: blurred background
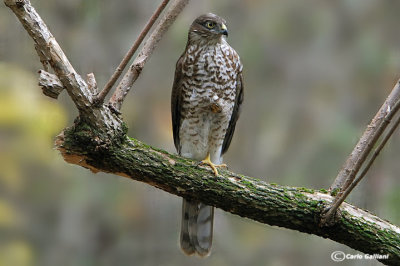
315,74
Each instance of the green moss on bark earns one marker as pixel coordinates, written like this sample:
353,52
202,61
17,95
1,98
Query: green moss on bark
294,208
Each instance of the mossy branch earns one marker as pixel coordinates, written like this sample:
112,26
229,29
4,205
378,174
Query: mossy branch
294,208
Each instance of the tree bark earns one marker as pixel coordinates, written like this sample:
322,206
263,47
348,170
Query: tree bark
294,208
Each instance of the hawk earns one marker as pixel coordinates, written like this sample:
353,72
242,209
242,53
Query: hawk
206,97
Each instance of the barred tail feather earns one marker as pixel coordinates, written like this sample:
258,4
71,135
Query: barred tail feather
196,228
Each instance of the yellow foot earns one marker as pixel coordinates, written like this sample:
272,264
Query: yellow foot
213,166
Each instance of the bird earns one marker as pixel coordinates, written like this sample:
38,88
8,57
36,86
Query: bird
206,100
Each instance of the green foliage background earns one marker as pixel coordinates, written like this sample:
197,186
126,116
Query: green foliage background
315,74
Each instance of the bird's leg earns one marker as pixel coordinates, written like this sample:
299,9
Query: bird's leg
212,165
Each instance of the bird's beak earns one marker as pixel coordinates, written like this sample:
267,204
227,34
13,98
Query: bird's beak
224,29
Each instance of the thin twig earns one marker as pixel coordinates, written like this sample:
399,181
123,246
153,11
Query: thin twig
101,96
346,180
135,69
364,146
375,155
343,195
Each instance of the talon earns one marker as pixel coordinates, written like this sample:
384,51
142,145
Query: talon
212,165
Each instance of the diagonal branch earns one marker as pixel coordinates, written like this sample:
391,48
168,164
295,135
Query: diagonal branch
339,199
48,48
50,52
130,53
345,180
136,68
368,139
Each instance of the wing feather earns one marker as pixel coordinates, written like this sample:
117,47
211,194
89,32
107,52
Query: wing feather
176,103
235,114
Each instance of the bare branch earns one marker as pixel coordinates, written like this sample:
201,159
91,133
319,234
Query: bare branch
130,53
47,45
344,182
136,68
374,156
368,140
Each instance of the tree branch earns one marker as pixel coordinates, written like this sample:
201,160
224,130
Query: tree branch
326,218
136,68
130,53
294,208
345,181
368,140
47,47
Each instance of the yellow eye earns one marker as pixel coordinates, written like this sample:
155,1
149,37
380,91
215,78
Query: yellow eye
210,24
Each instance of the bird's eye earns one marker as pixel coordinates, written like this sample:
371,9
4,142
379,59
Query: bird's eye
210,24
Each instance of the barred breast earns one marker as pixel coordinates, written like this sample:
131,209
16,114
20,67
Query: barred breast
208,87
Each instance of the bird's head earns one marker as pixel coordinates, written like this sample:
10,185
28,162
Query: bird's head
209,26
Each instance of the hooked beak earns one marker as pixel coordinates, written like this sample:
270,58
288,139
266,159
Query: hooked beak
224,30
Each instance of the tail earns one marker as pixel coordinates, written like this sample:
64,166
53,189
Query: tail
196,228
